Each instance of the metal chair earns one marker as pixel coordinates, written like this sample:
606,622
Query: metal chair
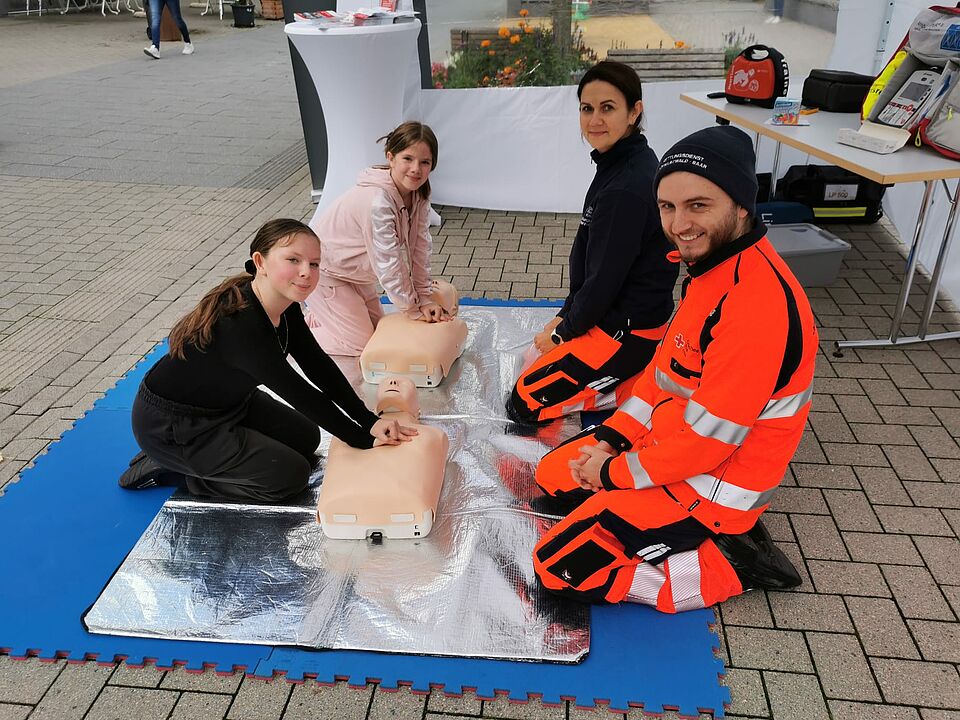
207,9
78,6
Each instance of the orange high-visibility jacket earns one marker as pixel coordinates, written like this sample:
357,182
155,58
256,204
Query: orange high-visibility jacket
717,415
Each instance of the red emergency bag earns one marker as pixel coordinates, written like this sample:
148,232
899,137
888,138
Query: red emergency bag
931,46
757,76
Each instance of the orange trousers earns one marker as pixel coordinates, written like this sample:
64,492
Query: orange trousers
589,372
628,545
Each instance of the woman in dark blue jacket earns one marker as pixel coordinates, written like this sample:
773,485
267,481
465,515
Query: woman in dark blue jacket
621,282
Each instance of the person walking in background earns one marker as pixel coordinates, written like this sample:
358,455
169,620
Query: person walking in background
777,12
155,11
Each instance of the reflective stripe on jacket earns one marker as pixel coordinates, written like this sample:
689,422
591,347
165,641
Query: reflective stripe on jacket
720,411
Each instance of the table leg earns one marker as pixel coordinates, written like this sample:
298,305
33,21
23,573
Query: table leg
912,258
775,171
938,268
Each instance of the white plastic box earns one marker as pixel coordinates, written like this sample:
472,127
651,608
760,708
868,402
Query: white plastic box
812,253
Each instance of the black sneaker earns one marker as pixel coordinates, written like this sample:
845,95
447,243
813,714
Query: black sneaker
560,505
143,473
757,561
525,424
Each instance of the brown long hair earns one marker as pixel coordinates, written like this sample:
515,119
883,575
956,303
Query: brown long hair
196,327
410,133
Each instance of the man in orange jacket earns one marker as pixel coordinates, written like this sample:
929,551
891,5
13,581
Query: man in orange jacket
671,486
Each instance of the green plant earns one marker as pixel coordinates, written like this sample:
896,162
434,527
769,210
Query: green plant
524,56
734,42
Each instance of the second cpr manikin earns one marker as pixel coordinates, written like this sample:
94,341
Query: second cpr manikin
423,352
389,491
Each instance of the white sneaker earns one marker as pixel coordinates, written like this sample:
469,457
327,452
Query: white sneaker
188,48
775,19
152,51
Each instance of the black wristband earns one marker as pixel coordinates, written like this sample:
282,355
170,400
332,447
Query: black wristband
605,475
608,435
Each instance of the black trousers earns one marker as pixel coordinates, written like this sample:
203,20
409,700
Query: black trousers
262,450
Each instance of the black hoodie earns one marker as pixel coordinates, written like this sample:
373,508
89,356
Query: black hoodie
620,278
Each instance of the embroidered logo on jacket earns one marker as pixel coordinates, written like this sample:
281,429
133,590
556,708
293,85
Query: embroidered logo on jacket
586,217
684,345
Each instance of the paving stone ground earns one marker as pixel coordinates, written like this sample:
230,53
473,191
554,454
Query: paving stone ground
128,187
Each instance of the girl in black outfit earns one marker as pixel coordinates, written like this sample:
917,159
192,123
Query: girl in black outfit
199,417
621,283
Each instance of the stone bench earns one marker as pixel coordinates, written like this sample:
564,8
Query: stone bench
672,63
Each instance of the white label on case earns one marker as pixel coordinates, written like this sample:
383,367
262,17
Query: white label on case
839,192
401,517
344,518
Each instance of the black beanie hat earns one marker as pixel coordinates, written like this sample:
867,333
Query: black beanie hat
723,155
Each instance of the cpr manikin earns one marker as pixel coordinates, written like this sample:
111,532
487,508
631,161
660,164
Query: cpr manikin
421,351
388,491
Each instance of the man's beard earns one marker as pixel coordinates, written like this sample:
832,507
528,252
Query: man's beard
723,234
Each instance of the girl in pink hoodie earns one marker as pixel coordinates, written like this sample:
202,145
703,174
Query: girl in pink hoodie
376,232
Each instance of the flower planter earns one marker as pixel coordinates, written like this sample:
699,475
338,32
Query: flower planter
242,15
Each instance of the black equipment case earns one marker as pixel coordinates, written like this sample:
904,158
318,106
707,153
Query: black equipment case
832,193
836,90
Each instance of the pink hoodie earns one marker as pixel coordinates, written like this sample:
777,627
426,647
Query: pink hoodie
368,235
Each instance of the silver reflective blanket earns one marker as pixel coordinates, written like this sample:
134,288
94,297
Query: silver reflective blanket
218,570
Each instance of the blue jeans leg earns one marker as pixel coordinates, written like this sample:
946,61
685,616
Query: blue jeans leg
174,6
156,7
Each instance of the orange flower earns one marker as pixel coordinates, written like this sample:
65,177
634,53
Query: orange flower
679,44
508,70
527,29
522,24
514,39
524,12
503,32
491,53
486,79
484,43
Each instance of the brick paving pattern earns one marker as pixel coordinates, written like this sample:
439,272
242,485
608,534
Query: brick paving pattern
97,262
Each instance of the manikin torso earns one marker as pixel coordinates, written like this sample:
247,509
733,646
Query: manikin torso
421,351
392,489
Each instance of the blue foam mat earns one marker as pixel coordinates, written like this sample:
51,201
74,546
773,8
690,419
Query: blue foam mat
66,527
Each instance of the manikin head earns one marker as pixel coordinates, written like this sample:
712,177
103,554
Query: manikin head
398,394
446,296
